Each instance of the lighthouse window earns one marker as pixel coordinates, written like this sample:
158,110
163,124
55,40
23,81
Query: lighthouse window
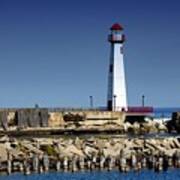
111,68
117,32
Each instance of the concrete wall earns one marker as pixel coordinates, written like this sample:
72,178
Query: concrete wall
41,117
86,118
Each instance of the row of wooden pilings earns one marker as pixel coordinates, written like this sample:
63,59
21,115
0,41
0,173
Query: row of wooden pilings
44,163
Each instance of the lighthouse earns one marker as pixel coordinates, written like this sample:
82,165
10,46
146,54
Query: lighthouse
117,95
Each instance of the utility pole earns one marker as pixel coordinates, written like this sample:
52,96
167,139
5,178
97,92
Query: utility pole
91,101
114,97
143,100
36,106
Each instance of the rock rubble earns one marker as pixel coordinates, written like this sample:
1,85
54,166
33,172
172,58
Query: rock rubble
77,154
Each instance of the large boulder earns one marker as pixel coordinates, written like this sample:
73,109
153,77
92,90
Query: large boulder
174,123
55,119
150,127
3,153
30,148
69,151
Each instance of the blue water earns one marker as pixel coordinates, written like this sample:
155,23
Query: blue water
97,175
165,112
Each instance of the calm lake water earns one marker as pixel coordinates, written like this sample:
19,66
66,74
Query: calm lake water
165,112
97,175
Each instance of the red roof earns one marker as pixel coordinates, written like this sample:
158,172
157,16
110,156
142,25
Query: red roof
145,109
117,26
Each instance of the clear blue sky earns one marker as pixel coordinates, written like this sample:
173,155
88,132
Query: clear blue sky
55,52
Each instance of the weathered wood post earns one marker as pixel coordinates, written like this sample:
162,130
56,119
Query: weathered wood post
58,165
35,163
122,161
81,163
89,164
123,164
65,163
111,163
74,164
46,162
170,162
160,163
93,165
9,163
144,162
26,167
177,159
9,166
102,162
133,161
21,168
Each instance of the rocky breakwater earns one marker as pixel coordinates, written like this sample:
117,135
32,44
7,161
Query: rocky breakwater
39,155
148,126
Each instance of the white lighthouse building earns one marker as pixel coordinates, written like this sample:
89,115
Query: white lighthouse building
117,95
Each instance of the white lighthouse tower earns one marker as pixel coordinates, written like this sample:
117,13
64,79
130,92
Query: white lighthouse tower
117,96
